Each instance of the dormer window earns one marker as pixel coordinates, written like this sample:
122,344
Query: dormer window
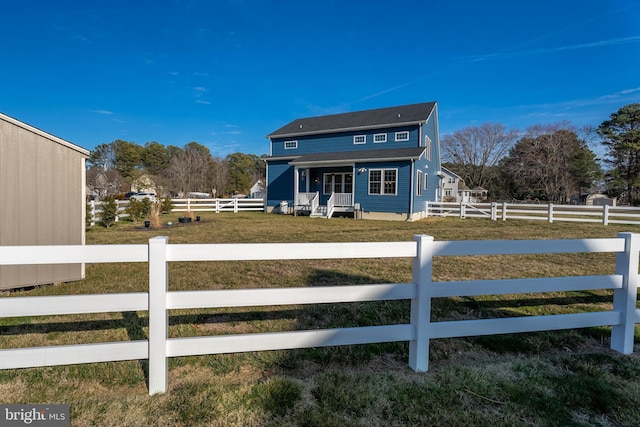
360,139
290,145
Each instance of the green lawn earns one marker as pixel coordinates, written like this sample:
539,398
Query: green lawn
539,379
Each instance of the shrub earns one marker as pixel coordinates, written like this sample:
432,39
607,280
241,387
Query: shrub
87,217
146,208
134,209
167,205
109,211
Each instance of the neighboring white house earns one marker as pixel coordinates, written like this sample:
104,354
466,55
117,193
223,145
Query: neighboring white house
479,194
453,188
42,200
257,191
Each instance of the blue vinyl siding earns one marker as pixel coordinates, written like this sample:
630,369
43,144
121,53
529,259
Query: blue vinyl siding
428,194
336,142
398,203
279,182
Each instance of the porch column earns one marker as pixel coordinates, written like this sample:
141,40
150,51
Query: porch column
296,184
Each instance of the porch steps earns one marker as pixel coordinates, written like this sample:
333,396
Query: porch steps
320,212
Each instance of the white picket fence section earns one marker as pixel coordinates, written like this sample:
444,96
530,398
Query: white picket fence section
544,212
422,289
183,205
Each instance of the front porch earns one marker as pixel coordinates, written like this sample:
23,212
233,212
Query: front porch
309,204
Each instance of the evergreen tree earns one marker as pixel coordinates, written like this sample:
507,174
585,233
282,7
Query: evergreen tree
621,136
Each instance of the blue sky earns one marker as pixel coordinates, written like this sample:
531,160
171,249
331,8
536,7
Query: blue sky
225,73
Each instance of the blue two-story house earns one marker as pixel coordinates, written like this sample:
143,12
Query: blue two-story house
377,164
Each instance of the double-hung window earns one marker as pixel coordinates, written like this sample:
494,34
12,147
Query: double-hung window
383,181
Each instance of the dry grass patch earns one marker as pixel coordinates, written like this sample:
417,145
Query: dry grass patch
539,379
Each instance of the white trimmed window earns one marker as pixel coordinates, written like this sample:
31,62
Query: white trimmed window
360,139
383,181
419,183
427,144
380,137
290,145
402,136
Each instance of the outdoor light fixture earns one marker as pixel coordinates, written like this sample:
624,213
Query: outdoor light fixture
362,170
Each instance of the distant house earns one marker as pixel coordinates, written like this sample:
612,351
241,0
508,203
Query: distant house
479,194
257,191
42,199
382,163
455,190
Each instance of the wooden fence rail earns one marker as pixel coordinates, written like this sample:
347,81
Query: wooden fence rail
543,212
419,330
184,205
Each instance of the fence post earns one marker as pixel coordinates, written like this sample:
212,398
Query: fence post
494,211
504,211
421,304
235,205
550,212
605,215
217,205
117,211
624,299
158,316
462,212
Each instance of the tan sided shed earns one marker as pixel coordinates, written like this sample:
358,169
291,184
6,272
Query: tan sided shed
42,199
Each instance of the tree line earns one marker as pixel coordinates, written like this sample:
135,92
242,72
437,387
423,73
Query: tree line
551,162
117,167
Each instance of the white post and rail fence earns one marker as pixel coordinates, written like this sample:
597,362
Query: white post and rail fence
494,211
541,212
234,205
419,330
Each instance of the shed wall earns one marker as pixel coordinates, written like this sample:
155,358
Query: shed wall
42,199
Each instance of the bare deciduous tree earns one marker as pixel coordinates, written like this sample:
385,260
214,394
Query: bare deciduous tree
475,149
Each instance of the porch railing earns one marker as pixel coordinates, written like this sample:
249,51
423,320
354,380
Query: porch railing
339,200
331,205
308,199
343,199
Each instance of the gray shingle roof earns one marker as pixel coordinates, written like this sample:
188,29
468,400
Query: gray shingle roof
378,118
361,155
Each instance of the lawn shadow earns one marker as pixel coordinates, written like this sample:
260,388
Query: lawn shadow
135,330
